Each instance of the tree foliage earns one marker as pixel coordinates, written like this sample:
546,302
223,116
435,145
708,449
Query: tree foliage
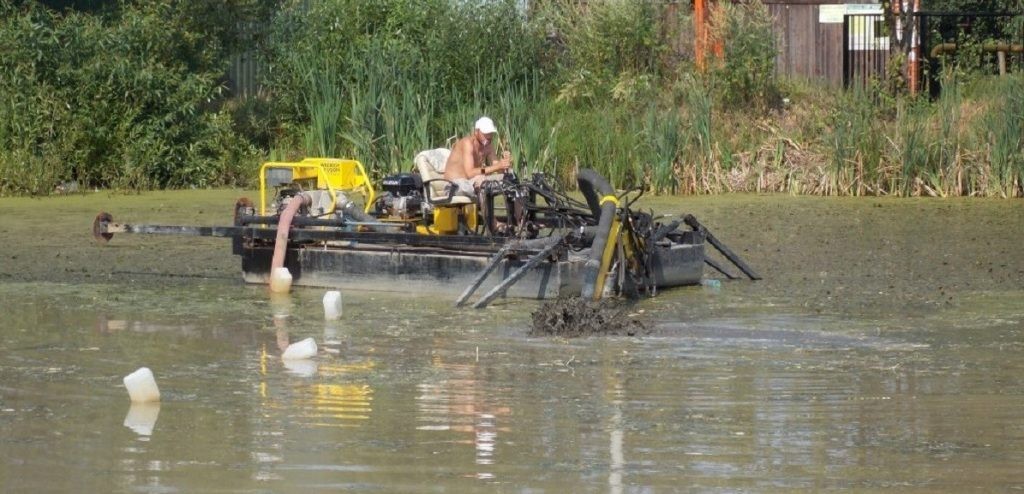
123,99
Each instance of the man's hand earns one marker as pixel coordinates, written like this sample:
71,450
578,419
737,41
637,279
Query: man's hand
505,162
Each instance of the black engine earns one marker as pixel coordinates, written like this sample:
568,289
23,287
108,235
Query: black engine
402,197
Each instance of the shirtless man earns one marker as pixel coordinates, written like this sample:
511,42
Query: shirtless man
473,159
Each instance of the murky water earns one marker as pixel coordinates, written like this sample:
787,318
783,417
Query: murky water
891,373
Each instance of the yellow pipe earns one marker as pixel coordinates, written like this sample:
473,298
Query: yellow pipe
606,258
609,249
942,48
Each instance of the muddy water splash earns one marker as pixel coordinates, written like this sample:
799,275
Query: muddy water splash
575,317
861,362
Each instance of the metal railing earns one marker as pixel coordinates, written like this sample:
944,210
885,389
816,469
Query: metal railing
991,42
986,42
866,49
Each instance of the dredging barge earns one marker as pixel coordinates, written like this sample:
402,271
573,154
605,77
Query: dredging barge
517,239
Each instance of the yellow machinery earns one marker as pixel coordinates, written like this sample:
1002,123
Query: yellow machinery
448,220
330,175
333,182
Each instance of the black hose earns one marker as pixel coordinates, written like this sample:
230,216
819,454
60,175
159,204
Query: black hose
602,201
588,180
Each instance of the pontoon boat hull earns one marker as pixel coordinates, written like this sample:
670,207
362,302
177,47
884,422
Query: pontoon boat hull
430,270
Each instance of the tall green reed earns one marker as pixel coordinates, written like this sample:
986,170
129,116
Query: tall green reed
324,98
945,175
912,121
698,146
389,112
857,144
662,132
603,138
406,116
530,125
1005,126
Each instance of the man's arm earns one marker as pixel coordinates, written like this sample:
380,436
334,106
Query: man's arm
470,168
497,165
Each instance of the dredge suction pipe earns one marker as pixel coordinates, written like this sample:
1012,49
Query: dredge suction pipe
602,201
285,225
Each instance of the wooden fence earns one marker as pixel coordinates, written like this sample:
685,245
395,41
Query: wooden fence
810,41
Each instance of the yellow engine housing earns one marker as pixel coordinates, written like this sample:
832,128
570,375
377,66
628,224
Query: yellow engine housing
446,220
330,174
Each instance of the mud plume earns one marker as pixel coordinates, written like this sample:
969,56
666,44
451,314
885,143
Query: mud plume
575,317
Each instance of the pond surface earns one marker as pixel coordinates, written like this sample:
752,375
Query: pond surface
862,361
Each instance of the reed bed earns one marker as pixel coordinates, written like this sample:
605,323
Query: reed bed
599,87
734,128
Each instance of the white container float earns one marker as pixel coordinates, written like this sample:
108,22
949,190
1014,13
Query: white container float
332,305
280,280
142,386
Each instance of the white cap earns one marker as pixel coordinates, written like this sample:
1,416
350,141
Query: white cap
485,125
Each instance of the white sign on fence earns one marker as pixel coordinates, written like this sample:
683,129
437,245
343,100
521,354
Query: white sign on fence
867,30
833,14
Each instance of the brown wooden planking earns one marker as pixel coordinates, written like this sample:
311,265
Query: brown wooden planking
807,48
779,19
831,53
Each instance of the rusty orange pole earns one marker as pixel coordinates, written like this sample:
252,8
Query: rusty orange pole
700,34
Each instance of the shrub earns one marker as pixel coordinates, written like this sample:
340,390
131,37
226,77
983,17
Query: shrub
447,49
745,75
608,48
119,101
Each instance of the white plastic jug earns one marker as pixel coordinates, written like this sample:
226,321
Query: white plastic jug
142,386
332,305
280,280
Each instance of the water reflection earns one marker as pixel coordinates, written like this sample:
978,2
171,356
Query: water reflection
332,333
281,307
141,418
336,405
779,402
458,399
105,325
618,458
337,397
301,367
